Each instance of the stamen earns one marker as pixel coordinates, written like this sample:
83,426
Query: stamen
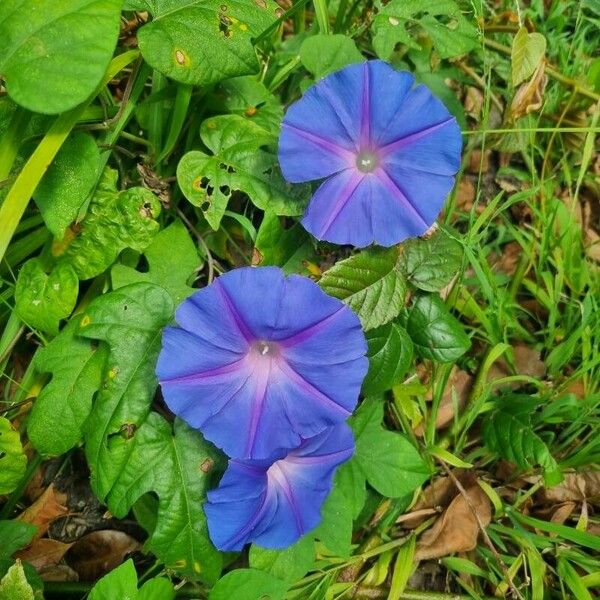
366,161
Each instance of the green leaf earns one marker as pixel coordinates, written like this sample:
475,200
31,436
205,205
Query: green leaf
285,248
508,431
323,54
436,334
351,480
68,182
450,32
172,260
201,42
390,354
43,300
158,588
248,584
238,163
14,535
53,53
114,221
13,461
371,283
119,583
14,585
528,50
289,564
431,263
59,412
389,462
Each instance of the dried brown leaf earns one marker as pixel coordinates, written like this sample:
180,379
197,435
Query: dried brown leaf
43,553
575,487
99,552
530,95
457,529
48,507
59,573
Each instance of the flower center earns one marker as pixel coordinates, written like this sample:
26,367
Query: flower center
265,348
366,161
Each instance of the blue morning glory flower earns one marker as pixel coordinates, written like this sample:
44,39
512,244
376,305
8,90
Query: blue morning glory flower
274,503
261,361
389,150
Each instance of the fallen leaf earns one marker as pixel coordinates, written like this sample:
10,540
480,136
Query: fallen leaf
529,95
508,261
473,102
457,529
99,552
527,362
563,512
476,161
59,573
575,487
465,196
48,507
43,553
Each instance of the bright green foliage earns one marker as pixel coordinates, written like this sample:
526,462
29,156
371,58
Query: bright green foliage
430,264
204,41
390,356
53,53
114,221
248,584
508,431
13,461
322,54
59,412
238,163
132,451
172,260
122,583
14,535
389,462
528,51
68,182
14,585
435,333
42,300
335,529
288,564
450,31
371,283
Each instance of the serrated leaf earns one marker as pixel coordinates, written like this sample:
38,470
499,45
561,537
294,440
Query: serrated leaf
238,163
430,264
43,300
59,412
14,585
390,354
323,54
248,584
53,53
201,42
371,283
13,461
508,431
389,462
114,221
172,260
436,334
528,50
68,182
450,32
288,564
14,535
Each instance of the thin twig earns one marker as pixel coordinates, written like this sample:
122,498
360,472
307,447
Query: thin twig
202,242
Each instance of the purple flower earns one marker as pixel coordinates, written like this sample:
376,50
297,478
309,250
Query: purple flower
274,503
389,150
261,361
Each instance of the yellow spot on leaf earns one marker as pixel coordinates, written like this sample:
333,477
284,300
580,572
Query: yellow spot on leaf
181,58
197,567
113,372
243,27
85,321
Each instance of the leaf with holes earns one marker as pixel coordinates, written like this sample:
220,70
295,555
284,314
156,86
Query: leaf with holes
238,163
201,42
436,334
54,54
59,412
390,354
508,431
450,32
171,270
371,283
114,221
43,300
528,50
430,264
13,461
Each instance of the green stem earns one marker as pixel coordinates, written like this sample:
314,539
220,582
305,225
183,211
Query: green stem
9,145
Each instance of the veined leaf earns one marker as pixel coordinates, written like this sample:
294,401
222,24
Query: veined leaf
248,584
114,221
59,412
13,461
371,283
239,162
288,564
323,54
14,535
528,51
14,585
